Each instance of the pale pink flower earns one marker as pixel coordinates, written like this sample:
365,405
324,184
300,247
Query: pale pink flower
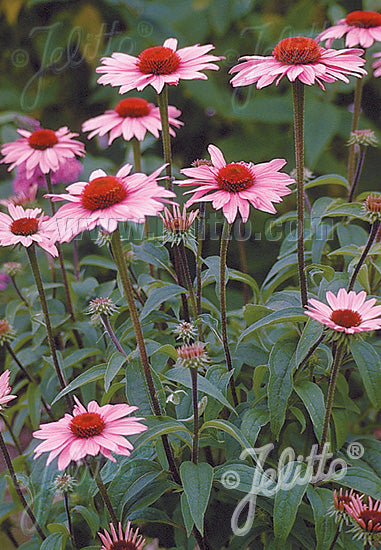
236,185
347,312
47,149
377,64
88,432
5,389
106,200
360,28
66,173
25,227
131,117
129,541
299,58
157,66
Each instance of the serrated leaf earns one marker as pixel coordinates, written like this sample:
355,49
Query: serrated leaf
197,482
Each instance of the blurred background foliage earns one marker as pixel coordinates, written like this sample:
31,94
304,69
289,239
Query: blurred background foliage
50,50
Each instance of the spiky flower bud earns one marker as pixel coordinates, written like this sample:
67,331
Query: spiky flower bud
307,175
364,138
192,356
103,238
372,207
12,268
102,306
177,226
64,483
185,331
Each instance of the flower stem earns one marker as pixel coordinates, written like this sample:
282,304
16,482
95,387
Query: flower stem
355,123
37,277
339,356
117,253
223,254
70,526
138,168
18,489
360,164
162,100
63,270
111,333
193,372
337,534
14,438
298,98
180,280
188,279
18,291
96,475
372,236
29,377
200,239
243,259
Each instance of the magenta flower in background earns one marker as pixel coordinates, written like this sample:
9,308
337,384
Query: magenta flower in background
360,28
347,312
131,117
4,280
88,432
299,58
157,66
106,200
5,389
377,64
236,185
68,172
45,149
25,227
131,540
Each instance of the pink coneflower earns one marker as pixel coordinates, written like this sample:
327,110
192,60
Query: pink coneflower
377,64
5,389
340,500
236,185
22,198
367,517
299,58
25,227
131,117
360,28
129,541
47,149
157,66
88,432
66,173
347,312
106,200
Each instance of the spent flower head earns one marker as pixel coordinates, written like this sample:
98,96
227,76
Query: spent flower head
338,511
366,518
64,483
365,138
7,332
372,207
192,356
102,306
185,331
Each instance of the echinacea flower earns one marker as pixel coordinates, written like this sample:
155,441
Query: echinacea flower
129,541
338,511
377,64
192,356
131,117
185,331
178,225
25,227
372,207
367,519
5,389
299,58
67,172
347,312
360,28
157,66
46,149
236,185
106,200
88,432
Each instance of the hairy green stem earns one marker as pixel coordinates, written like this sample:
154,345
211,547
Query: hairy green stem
68,516
18,489
243,260
193,372
96,475
18,291
359,166
162,100
339,356
111,333
298,98
14,438
188,279
355,123
372,236
117,253
37,277
200,240
223,254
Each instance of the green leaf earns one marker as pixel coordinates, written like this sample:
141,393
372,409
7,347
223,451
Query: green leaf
187,517
151,253
98,261
287,500
369,365
311,334
279,387
245,479
94,373
114,364
283,316
52,542
91,518
79,355
361,480
325,525
182,376
159,295
329,179
34,404
229,428
252,422
313,400
197,482
253,313
160,425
